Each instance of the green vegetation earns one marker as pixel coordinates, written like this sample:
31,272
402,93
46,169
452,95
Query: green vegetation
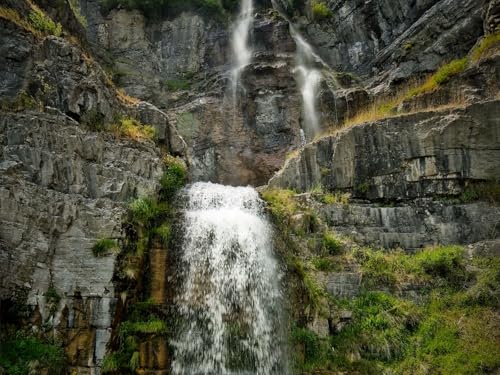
452,327
37,23
487,191
74,4
324,264
104,246
281,203
320,10
331,244
441,76
144,319
177,84
333,198
488,44
174,177
23,354
164,233
131,128
44,23
22,101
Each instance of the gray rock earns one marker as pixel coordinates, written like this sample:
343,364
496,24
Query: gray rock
423,154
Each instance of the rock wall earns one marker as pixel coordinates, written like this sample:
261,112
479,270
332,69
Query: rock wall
410,156
64,186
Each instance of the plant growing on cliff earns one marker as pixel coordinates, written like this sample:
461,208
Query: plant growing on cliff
23,354
320,10
104,246
174,177
134,129
281,202
487,45
44,23
331,244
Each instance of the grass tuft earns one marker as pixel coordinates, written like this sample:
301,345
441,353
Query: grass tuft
104,246
487,45
133,129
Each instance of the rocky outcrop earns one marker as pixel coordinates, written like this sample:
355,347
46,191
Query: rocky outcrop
395,40
63,188
417,155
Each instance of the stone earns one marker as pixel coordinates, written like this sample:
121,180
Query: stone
416,155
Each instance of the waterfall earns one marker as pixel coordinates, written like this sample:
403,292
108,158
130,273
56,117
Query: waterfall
242,53
309,79
228,304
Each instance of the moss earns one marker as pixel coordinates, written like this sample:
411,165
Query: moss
154,326
18,353
363,187
104,246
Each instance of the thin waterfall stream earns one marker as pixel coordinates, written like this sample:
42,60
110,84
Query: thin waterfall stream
228,303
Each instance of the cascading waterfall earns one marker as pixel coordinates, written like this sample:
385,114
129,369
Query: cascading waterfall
242,53
229,318
309,79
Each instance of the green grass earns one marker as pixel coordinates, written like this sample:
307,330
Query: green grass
177,84
441,76
133,129
144,211
154,326
18,352
104,246
331,244
78,14
453,327
164,233
323,264
44,23
174,177
281,202
488,44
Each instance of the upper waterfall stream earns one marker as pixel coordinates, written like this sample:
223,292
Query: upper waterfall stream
242,53
228,304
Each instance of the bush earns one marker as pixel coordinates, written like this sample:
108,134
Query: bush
164,232
104,246
331,244
145,210
445,262
174,177
18,353
133,129
310,344
281,202
323,264
320,10
43,23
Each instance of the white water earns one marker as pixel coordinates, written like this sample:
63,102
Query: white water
242,53
309,79
229,300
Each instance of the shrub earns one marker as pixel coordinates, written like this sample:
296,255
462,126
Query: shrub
174,177
342,198
323,264
133,129
281,203
310,344
18,353
445,262
104,246
164,232
320,10
154,326
145,210
44,23
331,244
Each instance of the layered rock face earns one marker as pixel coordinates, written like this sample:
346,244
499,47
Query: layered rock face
63,187
183,65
